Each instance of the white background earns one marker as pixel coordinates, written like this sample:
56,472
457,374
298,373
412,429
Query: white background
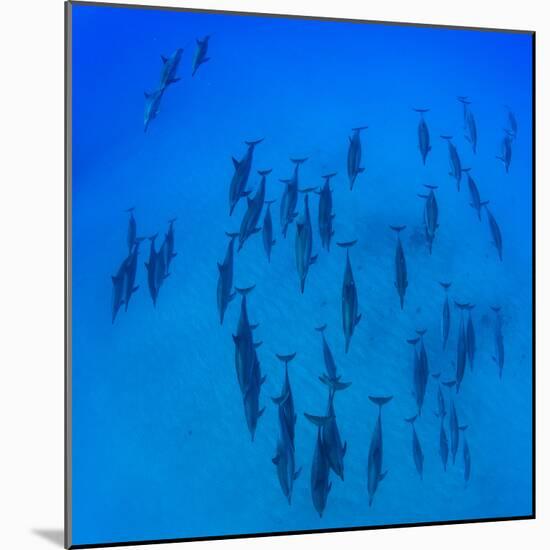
31,270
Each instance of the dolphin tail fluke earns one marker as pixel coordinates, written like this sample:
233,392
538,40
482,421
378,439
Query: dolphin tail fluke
265,172
270,202
448,138
347,244
463,428
420,110
446,286
397,228
436,375
430,186
299,161
317,420
413,341
380,401
327,177
231,235
334,384
254,143
321,328
496,309
245,291
359,128
449,383
286,359
462,306
411,419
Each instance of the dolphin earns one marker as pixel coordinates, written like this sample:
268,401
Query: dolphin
498,358
130,274
350,304
506,148
245,347
161,272
152,106
431,213
169,242
251,397
418,455
267,231
467,458
495,231
475,201
470,338
200,53
285,400
132,230
454,159
420,370
253,212
320,467
441,410
332,442
304,243
330,364
118,289
225,278
354,155
289,200
374,467
423,135
152,269
512,123
401,282
445,316
443,446
470,127
237,188
453,422
285,461
461,348
325,212
170,68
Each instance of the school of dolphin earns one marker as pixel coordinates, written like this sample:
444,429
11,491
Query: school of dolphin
330,450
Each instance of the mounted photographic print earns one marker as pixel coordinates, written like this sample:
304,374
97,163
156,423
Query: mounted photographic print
299,274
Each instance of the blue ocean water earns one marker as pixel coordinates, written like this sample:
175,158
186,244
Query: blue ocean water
161,447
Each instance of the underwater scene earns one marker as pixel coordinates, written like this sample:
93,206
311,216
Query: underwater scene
301,274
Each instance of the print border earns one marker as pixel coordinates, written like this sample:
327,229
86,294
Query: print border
68,278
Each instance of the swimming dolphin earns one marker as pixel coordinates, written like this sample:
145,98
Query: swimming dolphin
401,281
470,338
161,271
354,155
304,243
512,123
200,54
245,347
498,357
152,106
454,159
420,370
506,148
225,278
443,445
285,400
320,467
151,269
330,364
267,231
289,200
475,201
467,457
441,410
330,433
249,224
251,397
470,127
423,135
118,289
350,304
461,348
374,467
325,212
237,188
495,230
130,274
453,422
418,455
431,213
132,231
445,316
170,68
169,241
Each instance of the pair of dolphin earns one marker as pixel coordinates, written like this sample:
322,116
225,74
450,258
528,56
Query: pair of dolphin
350,302
303,245
401,282
237,188
289,200
420,369
168,76
247,365
284,458
475,199
354,155
249,224
470,127
326,215
423,135
454,160
431,215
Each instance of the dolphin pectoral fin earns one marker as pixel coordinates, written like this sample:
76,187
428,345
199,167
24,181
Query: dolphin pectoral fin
254,327
245,193
261,411
430,148
174,80
297,473
275,460
256,230
357,319
232,295
164,59
279,400
236,339
273,242
257,344
382,476
313,259
248,201
344,448
329,487
220,266
235,162
263,379
359,170
205,60
135,289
